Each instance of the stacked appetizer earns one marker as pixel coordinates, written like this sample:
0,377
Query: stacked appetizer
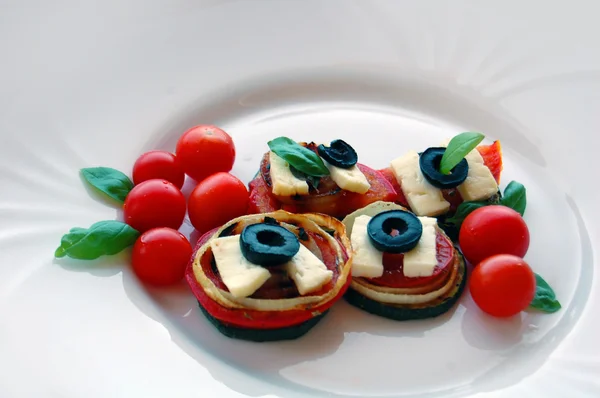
403,266
274,259
427,190
306,177
270,276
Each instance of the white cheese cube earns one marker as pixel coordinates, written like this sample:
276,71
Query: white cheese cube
423,198
241,277
351,179
480,183
422,259
284,182
307,271
367,260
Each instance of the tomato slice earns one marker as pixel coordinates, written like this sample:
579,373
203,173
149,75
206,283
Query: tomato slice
391,178
261,200
254,319
329,199
380,189
393,267
492,158
251,319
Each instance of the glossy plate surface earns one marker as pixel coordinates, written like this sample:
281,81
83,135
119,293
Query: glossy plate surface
98,84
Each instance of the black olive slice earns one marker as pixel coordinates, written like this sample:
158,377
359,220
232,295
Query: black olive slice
268,244
339,153
395,231
429,161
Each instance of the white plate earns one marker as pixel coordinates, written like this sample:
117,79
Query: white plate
98,83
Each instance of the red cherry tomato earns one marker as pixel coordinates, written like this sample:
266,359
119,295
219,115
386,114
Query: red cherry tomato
158,164
204,150
154,203
160,256
502,285
216,200
493,230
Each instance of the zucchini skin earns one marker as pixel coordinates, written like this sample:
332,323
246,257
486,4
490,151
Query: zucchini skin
405,312
263,335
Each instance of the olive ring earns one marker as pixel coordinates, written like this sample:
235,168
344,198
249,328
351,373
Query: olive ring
339,154
268,244
408,227
429,161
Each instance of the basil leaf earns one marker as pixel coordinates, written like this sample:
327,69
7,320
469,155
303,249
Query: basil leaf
515,197
102,238
110,181
457,149
303,159
544,299
463,210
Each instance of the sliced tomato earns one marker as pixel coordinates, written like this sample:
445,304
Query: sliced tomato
393,268
328,199
251,319
453,197
380,189
254,319
391,178
261,200
492,158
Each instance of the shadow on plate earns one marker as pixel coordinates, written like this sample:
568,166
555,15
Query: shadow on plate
102,267
235,362
485,332
228,360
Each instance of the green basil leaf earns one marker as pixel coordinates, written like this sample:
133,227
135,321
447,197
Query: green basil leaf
303,159
545,298
110,181
463,210
515,197
457,149
102,238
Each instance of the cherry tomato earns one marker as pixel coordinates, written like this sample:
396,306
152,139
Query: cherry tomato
493,230
154,203
216,200
502,285
160,256
158,164
204,150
